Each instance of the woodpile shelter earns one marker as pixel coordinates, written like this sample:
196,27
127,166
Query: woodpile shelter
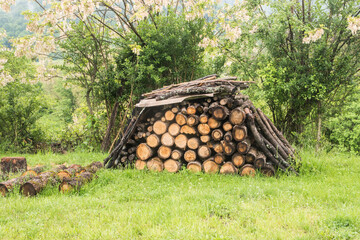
205,125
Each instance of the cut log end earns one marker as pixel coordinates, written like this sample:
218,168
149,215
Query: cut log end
172,166
140,165
247,170
28,190
210,166
228,168
194,167
155,165
3,190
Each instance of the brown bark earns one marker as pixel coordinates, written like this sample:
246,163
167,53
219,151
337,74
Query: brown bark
260,160
37,184
75,183
106,141
229,148
251,155
268,170
228,136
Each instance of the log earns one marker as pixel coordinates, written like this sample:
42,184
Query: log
186,129
213,123
247,170
194,167
183,111
219,158
163,119
218,147
251,155
199,109
191,110
153,141
228,168
268,170
217,134
174,129
172,165
238,160
227,126
260,160
229,148
228,136
192,120
176,154
204,152
220,112
75,183
149,129
167,140
193,143
13,164
205,138
190,156
210,166
237,116
175,110
169,115
140,165
244,146
155,164
33,171
181,141
37,184
203,118
203,129
164,152
239,133
160,127
143,152
9,185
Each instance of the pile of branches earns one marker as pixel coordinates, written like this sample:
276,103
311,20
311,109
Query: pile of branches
222,133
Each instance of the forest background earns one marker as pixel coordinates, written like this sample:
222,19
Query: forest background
71,71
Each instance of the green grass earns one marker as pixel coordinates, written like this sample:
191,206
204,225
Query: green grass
322,203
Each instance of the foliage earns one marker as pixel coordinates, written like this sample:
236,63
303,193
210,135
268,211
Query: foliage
343,128
309,60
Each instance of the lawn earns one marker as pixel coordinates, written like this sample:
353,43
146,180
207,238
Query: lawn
322,203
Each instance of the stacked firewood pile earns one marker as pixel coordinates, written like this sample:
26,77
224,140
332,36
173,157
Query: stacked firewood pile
206,125
34,180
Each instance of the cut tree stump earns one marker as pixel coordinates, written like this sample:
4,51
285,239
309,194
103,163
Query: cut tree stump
13,164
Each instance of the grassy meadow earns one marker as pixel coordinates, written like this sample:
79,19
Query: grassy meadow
322,203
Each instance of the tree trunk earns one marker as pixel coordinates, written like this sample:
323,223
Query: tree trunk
106,141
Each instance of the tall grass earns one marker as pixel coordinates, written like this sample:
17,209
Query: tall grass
322,203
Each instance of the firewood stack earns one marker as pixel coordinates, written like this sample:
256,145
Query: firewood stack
206,125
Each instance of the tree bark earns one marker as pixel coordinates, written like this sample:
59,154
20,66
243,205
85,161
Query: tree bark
106,141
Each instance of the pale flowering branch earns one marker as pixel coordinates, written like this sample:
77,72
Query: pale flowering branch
353,24
313,35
